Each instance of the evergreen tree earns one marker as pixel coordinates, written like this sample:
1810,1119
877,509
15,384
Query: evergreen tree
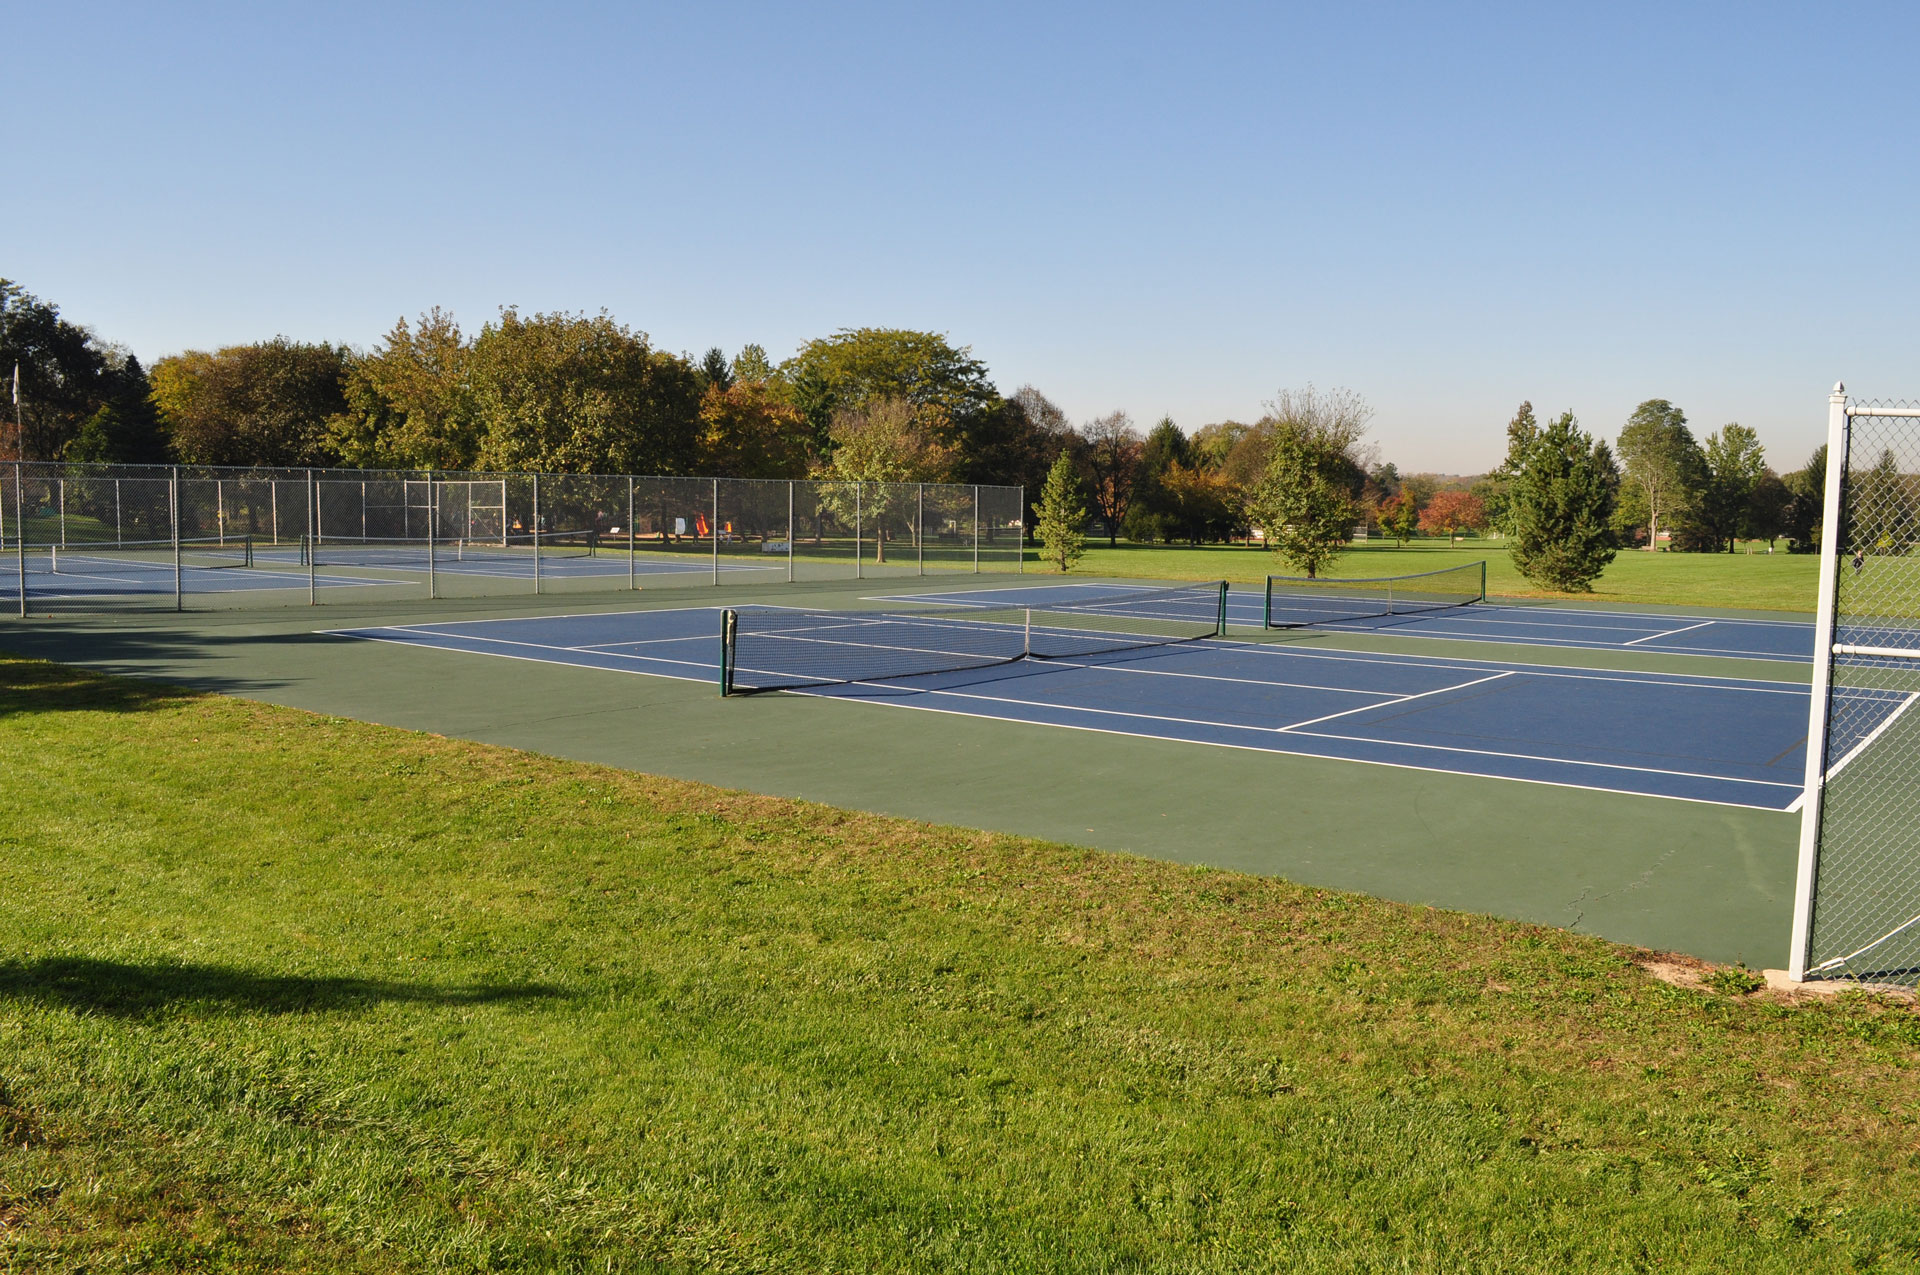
124,430
751,365
715,372
1062,516
1562,499
1304,503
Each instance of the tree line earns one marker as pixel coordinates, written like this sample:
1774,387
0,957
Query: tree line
576,393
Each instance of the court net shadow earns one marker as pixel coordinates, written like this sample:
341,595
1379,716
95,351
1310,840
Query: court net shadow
127,990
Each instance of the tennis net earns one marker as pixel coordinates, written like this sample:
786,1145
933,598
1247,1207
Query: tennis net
770,650
415,552
1297,602
110,557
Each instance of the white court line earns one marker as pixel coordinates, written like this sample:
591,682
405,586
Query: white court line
537,646
1401,700
1571,644
1874,734
558,615
368,636
1203,677
1569,671
1296,752
1669,633
1351,739
1558,761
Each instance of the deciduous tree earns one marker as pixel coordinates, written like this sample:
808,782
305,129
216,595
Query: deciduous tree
1734,462
1767,508
270,403
409,401
943,382
1563,493
1110,451
66,375
1453,512
1808,486
883,447
568,393
1662,461
1400,516
749,432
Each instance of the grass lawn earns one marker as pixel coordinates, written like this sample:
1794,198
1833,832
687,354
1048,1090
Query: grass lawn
1777,581
286,992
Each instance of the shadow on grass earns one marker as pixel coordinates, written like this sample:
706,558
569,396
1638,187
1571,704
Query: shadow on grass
125,990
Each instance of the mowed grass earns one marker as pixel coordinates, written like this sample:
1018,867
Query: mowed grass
287,992
1778,581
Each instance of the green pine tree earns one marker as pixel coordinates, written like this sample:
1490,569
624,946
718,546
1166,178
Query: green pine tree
1062,516
1562,503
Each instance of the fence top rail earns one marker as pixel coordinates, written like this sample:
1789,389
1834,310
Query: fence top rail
331,473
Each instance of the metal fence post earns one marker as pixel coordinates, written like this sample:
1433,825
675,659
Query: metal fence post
536,533
976,529
1020,541
632,565
20,533
433,534
856,531
920,529
311,539
173,493
715,529
63,512
789,531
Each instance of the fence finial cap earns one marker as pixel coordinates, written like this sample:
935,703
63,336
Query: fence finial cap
1839,387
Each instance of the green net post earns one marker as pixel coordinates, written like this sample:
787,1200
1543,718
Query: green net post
1221,631
1266,609
728,624
1483,579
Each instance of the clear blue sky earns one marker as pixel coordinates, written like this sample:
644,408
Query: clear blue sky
1156,208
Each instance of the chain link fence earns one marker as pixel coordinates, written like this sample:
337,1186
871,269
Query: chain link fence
103,537
1858,905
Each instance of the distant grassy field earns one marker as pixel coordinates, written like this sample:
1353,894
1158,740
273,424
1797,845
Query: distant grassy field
1777,581
285,992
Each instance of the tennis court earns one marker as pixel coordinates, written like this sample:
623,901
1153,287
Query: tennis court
1723,740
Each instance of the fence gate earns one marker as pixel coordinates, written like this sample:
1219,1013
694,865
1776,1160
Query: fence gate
1857,901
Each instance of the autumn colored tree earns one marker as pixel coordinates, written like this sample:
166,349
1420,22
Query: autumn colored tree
1453,512
749,432
1400,515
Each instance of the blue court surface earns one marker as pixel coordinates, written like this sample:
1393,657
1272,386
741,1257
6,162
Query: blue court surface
1727,741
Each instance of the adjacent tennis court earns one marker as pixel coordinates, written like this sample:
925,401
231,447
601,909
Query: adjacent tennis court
1511,623
244,565
1730,741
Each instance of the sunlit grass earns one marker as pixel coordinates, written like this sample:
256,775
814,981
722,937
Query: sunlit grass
1777,581
280,991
